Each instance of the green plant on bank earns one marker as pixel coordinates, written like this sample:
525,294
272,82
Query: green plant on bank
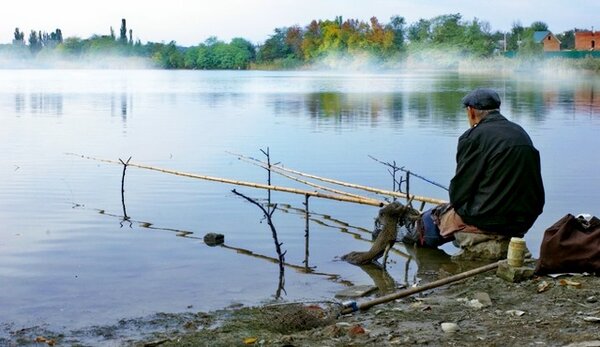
589,63
288,63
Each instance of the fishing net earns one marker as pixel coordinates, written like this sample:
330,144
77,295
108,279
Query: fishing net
289,318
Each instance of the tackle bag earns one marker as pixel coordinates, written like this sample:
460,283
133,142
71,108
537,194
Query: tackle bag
572,244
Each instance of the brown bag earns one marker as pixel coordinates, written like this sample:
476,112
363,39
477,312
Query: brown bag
570,245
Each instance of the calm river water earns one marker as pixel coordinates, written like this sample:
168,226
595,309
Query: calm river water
67,258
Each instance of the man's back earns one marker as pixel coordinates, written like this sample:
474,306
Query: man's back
498,186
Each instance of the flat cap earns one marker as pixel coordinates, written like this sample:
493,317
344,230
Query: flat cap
482,99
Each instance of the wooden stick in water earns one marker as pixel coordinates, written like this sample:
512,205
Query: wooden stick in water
407,292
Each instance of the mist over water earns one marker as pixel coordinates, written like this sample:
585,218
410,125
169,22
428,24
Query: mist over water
419,59
67,258
431,59
90,61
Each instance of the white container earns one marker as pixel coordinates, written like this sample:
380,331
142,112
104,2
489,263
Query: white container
516,252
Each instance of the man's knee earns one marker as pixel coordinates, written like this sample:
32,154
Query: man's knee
430,232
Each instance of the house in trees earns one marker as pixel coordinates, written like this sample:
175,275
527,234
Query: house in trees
548,40
586,40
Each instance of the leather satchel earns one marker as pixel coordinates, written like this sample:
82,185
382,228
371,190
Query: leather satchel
570,245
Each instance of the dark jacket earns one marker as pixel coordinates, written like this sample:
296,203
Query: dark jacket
498,184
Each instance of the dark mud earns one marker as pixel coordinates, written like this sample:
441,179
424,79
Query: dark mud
486,311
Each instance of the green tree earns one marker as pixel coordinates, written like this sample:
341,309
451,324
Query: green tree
72,46
538,26
397,26
356,33
567,39
205,55
275,47
447,29
211,41
168,56
332,40
123,33
35,43
451,32
56,36
245,46
311,41
205,58
528,46
381,41
103,45
477,38
215,54
190,58
19,37
222,55
293,38
515,38
420,31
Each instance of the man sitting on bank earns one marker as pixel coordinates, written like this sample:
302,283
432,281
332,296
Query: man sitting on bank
497,191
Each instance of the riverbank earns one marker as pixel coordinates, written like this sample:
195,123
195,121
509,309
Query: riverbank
481,310
484,309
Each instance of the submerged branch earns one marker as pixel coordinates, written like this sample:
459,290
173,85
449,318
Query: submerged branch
280,254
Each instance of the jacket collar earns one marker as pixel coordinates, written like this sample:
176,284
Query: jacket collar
492,116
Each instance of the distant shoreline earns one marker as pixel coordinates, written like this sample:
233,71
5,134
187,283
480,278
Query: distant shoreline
443,41
422,61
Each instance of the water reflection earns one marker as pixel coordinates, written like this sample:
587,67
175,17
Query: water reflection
419,105
342,109
538,103
19,103
220,99
521,98
587,101
432,264
381,278
239,250
39,103
121,105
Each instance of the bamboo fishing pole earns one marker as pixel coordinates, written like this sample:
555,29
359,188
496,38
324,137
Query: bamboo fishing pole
308,183
363,200
353,307
276,168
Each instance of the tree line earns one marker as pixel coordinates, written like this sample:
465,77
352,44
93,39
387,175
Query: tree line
297,45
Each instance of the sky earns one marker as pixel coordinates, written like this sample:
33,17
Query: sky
190,22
